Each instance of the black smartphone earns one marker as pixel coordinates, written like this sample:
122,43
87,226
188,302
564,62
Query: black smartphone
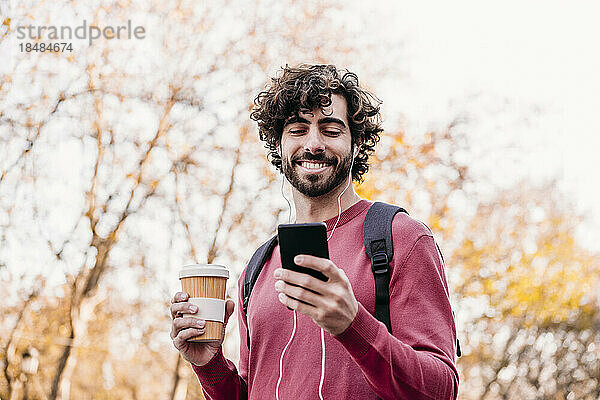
308,239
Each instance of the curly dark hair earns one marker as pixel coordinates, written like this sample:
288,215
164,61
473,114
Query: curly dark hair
309,86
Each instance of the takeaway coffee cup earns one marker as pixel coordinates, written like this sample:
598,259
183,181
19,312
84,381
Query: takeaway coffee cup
206,285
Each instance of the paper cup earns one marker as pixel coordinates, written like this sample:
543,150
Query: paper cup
206,285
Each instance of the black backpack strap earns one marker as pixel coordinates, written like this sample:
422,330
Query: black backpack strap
377,237
253,271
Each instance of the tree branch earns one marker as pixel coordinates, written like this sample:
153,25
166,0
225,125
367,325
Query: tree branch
10,345
186,226
212,251
38,128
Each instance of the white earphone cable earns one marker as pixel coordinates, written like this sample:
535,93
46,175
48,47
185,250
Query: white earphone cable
322,364
330,235
295,317
281,358
339,200
286,199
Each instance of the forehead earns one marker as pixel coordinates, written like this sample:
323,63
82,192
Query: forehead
337,108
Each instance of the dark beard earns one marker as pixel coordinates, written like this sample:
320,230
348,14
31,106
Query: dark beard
314,185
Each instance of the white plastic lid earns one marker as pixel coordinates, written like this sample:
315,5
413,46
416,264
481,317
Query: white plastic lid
204,270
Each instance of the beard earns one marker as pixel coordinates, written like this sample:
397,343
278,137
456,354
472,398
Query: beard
315,185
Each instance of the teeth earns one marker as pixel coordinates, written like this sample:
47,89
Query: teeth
311,165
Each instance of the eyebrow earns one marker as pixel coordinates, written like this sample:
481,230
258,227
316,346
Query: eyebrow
332,120
296,118
324,120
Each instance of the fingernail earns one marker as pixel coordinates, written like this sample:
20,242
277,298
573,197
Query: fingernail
193,309
201,323
277,273
278,285
298,259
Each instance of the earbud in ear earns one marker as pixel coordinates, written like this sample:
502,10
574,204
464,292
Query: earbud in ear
356,150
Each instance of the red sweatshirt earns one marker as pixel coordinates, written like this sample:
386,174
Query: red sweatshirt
365,361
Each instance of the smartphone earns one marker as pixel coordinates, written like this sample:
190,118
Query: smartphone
297,239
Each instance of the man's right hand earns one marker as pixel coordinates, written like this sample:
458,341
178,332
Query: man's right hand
184,328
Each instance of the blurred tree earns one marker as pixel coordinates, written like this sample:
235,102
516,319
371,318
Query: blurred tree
421,173
128,158
530,303
10,352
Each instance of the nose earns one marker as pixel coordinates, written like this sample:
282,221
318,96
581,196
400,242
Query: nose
314,141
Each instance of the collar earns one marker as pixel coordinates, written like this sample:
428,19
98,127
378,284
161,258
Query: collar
348,214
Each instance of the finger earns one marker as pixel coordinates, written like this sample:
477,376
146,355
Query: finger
306,309
185,307
186,334
299,293
180,296
180,324
229,307
300,279
324,265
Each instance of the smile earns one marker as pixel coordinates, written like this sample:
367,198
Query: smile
312,167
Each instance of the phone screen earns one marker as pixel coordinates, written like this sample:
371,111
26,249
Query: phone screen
297,239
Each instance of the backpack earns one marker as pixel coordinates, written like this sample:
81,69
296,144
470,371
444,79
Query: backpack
377,238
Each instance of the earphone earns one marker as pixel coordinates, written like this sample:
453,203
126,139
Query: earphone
355,153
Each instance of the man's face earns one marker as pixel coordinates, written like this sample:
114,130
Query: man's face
316,148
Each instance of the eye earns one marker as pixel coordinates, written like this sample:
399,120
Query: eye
297,131
332,132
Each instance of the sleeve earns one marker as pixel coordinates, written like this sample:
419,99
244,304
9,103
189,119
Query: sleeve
416,361
219,377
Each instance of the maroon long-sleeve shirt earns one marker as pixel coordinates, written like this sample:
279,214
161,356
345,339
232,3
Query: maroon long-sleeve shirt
415,361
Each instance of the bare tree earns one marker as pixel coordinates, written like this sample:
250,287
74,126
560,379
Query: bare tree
120,153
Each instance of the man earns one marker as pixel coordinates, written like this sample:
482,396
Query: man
320,127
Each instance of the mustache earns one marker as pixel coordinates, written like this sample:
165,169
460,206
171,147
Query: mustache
319,157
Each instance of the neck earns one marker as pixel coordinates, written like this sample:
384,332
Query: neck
317,209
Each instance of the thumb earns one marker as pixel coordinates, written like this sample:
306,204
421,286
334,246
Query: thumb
229,307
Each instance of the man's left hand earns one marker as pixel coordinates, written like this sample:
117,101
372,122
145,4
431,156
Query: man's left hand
330,304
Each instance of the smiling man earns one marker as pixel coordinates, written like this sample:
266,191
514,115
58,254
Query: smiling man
320,128
310,170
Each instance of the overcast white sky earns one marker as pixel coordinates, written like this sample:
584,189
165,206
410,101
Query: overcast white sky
527,73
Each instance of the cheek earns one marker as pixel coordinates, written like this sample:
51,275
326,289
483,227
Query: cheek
288,149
